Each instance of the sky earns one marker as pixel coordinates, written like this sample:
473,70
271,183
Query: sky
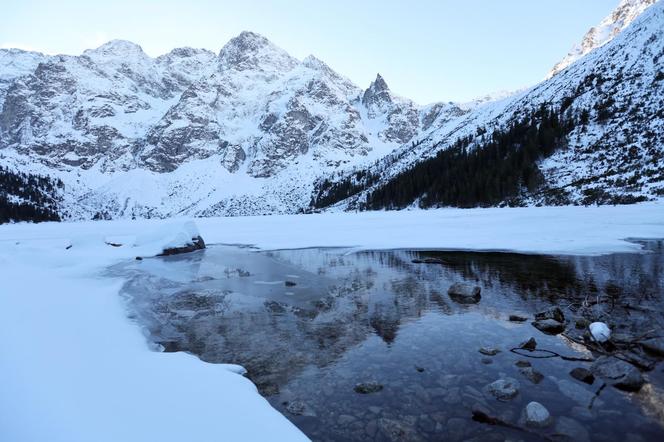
427,50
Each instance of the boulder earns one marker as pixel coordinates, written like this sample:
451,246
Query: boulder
618,373
464,293
503,389
517,318
196,243
537,416
549,326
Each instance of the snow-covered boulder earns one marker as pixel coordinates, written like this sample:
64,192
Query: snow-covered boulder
537,415
600,331
170,239
186,239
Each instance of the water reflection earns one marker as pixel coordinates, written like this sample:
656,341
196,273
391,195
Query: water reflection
309,325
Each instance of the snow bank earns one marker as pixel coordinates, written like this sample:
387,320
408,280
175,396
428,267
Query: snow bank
73,368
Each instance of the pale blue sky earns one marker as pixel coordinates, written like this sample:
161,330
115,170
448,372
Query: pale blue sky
434,50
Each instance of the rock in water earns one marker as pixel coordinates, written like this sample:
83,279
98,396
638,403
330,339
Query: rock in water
583,375
504,389
553,313
368,387
549,326
572,429
654,346
531,374
464,293
196,243
537,416
489,351
600,331
530,344
517,318
618,373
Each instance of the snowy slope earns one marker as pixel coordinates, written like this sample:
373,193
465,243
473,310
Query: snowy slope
617,151
601,34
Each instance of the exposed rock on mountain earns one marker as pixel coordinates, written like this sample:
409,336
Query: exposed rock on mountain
620,18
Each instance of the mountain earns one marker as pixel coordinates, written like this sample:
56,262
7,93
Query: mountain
253,130
248,130
620,18
594,133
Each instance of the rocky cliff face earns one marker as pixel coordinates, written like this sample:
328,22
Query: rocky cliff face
253,106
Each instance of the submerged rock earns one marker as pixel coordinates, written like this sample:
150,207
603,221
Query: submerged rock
290,284
654,346
576,392
522,363
464,293
517,318
572,429
549,326
618,373
553,313
583,375
537,416
489,351
531,374
504,389
299,408
368,387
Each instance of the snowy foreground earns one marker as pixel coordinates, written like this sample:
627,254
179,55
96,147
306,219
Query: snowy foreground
73,368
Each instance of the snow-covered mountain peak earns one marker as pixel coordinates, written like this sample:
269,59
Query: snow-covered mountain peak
599,35
116,49
251,51
378,94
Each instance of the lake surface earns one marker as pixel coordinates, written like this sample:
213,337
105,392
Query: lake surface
310,325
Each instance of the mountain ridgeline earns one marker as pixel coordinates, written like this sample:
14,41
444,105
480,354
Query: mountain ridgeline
252,130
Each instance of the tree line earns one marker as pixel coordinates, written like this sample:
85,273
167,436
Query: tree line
27,197
480,172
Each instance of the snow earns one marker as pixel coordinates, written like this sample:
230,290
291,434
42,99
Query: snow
600,331
75,369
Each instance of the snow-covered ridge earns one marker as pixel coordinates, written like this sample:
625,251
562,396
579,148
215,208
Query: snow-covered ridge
617,91
601,34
